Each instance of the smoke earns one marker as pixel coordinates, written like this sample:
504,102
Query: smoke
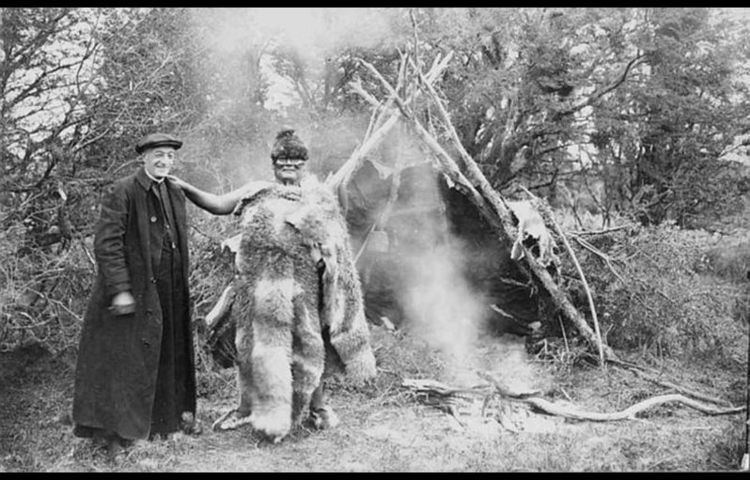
440,304
242,49
310,34
313,32
442,308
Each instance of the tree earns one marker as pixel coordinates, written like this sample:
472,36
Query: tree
78,85
524,78
661,136
44,78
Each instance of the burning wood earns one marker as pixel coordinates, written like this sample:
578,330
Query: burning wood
453,400
478,401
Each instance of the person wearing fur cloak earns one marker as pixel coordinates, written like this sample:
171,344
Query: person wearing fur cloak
298,308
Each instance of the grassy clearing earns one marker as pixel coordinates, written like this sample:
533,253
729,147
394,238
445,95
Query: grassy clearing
384,428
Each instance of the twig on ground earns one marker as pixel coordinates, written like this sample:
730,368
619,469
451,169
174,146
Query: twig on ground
566,394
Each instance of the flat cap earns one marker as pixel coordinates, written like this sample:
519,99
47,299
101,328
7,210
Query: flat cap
157,140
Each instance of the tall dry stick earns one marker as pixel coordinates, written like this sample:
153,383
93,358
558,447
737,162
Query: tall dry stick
573,257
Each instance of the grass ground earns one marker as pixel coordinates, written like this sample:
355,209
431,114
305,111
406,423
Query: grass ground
385,428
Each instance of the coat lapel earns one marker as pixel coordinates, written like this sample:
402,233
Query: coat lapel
141,207
178,206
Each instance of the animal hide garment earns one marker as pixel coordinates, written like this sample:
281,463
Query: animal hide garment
299,309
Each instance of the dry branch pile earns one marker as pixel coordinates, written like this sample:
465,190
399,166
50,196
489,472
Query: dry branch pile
496,400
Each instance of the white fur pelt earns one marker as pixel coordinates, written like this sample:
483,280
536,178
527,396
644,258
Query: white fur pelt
299,309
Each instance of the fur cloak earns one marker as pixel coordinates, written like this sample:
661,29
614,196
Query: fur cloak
299,309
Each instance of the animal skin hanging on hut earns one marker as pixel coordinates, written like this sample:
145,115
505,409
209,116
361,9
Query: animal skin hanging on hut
298,308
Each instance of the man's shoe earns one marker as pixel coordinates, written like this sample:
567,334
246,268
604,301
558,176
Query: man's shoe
190,425
116,448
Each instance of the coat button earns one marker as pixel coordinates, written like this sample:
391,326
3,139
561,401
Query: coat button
153,219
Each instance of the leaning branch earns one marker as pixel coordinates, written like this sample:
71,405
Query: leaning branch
586,288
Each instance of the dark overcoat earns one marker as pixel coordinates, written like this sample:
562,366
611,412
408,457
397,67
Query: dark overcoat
118,356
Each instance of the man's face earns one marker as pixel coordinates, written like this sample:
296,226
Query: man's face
159,161
289,171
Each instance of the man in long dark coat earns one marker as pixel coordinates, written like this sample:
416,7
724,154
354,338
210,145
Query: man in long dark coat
135,375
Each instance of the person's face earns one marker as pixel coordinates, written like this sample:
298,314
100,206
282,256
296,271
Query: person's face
159,161
289,171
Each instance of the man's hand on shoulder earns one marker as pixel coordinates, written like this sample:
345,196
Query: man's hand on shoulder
177,181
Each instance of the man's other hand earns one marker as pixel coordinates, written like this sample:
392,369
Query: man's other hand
122,304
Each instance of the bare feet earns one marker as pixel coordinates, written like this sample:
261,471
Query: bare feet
231,420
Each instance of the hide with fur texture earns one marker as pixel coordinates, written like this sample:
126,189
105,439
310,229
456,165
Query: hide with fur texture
299,309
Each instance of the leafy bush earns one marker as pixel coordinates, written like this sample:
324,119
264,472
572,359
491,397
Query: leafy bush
211,270
661,292
42,305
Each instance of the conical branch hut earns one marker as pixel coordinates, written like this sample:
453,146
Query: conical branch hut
411,146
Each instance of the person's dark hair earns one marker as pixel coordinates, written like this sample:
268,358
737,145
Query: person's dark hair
288,145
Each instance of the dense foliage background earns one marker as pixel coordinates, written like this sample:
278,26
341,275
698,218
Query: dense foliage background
613,115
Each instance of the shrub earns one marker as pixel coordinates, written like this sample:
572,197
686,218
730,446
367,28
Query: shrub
211,270
663,294
43,292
